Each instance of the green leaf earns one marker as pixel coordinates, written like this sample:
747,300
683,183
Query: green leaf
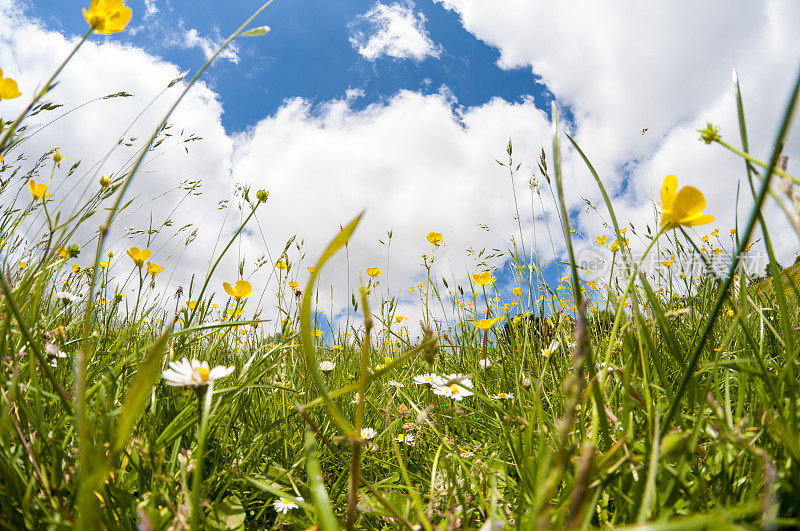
139,393
256,32
227,514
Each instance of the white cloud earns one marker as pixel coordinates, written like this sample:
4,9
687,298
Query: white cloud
191,38
622,66
393,30
150,8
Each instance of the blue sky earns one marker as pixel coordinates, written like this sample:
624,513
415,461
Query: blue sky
308,54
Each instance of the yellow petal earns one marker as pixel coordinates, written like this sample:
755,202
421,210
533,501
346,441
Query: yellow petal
668,190
688,202
229,289
243,288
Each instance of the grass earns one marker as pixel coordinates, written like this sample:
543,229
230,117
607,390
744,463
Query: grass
664,399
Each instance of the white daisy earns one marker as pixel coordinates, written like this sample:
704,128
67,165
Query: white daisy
282,505
396,384
355,399
194,373
326,366
368,433
405,438
550,348
451,387
430,379
485,363
503,396
66,296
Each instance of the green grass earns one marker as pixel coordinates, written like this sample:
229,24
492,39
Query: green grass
662,400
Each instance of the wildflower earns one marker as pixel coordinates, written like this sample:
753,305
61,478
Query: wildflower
326,366
682,207
336,347
191,304
76,268
58,157
356,399
715,232
717,250
311,270
503,396
405,438
709,134
420,286
317,333
294,285
118,297
241,291
282,505
399,318
107,16
592,284
105,182
154,269
393,383
368,433
454,387
601,240
731,313
103,264
194,373
705,238
549,349
485,363
402,409
483,279
614,247
430,378
733,231
8,89
66,296
139,255
435,238
374,272
485,324
412,288
38,191
282,264
517,291
23,265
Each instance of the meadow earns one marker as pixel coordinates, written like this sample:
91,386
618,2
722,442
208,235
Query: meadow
651,397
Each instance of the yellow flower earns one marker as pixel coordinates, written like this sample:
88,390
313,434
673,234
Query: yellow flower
715,232
23,265
336,347
420,286
230,311
614,247
8,88
731,313
76,268
241,291
483,279
705,238
592,284
107,16
281,264
717,250
191,304
374,272
154,269
105,182
57,157
412,288
103,264
485,324
294,285
317,333
682,207
601,240
399,318
61,251
435,238
310,270
38,191
517,291
667,262
733,231
139,255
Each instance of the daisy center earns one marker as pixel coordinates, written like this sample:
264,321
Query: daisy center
202,373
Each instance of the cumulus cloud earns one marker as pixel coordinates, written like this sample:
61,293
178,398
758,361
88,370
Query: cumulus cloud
621,67
393,30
